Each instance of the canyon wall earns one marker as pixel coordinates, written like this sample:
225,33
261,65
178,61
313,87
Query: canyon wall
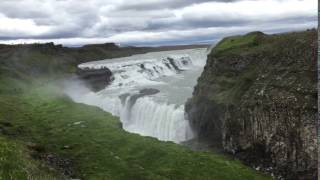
257,99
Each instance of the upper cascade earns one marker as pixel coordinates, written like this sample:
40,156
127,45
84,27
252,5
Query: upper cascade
143,69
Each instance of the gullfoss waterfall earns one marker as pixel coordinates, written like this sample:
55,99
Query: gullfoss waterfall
148,91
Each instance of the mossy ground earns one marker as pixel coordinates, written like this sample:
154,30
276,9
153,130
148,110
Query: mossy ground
241,61
16,163
235,42
93,141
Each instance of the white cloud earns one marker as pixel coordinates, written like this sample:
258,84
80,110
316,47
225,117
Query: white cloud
11,27
250,10
74,22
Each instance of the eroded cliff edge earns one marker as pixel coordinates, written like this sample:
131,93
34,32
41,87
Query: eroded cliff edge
257,99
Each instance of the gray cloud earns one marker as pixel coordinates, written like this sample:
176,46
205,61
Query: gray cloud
148,22
163,4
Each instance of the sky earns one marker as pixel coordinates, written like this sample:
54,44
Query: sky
148,22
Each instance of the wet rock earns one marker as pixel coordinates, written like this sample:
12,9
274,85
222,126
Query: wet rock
123,97
149,91
173,64
142,93
59,163
95,79
134,97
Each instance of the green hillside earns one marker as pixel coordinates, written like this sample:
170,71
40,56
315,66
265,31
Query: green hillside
45,135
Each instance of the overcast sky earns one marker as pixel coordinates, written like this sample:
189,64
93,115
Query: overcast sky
148,22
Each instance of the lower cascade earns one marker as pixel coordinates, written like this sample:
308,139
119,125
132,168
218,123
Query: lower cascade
148,91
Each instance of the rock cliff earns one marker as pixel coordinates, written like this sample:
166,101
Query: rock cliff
95,79
257,99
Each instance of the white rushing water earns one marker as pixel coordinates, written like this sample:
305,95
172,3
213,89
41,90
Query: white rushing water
149,91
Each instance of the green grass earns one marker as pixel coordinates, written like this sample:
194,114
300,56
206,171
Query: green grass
15,163
96,145
240,61
234,42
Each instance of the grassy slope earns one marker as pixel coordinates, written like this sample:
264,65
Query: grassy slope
37,122
16,163
97,147
234,42
233,54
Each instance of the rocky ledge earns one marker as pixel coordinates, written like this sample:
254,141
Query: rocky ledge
95,79
257,99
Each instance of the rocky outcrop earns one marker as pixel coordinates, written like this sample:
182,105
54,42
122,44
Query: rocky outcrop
257,99
95,79
134,97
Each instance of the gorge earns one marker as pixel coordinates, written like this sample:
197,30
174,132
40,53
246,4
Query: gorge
256,98
253,97
148,91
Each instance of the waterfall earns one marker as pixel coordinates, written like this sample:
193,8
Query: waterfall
148,92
